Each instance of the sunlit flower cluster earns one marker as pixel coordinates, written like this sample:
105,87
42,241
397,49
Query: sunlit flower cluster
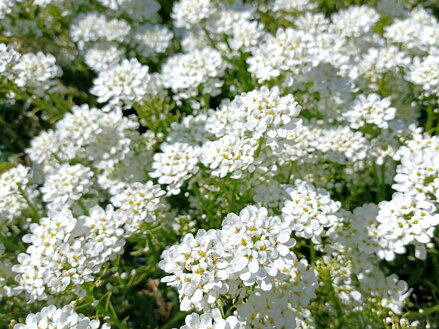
206,164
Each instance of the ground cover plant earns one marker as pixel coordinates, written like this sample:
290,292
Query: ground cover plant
207,164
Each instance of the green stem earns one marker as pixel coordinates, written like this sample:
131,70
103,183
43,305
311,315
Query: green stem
83,207
232,308
104,310
430,118
290,173
208,207
30,204
211,41
427,311
312,252
206,99
335,301
157,113
233,197
258,150
379,174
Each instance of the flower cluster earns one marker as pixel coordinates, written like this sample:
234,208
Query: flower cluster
249,260
410,217
62,318
187,73
308,211
206,164
16,194
66,251
122,84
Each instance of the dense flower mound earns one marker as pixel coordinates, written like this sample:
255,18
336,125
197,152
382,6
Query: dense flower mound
62,318
207,164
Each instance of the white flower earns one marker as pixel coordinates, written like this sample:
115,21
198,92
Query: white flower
43,263
65,251
122,84
267,309
358,229
92,135
194,39
102,56
425,73
115,30
293,5
114,4
190,130
289,50
417,32
229,16
229,154
185,74
269,194
77,129
316,23
67,185
309,210
107,236
211,320
138,203
354,21
102,140
8,58
370,109
175,165
152,39
61,318
262,113
112,141
251,250
131,168
197,266
15,188
246,36
403,221
378,61
189,13
42,149
397,291
259,240
36,71
418,174
236,22
87,27
343,145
